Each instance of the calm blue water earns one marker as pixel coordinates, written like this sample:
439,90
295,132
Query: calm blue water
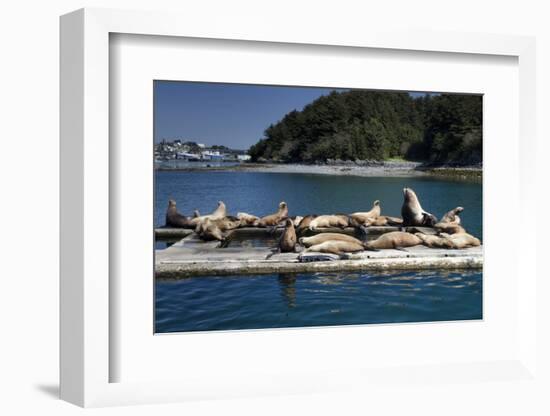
269,301
277,301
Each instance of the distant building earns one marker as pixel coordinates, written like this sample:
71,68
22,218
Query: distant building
201,145
208,155
243,158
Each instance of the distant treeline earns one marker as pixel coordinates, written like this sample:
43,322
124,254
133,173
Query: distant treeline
371,125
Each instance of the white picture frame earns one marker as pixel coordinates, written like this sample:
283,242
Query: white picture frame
86,263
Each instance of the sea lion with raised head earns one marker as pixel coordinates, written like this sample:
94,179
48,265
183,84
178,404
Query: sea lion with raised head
196,213
327,221
336,247
412,211
360,218
322,237
175,219
452,217
219,212
287,242
274,219
394,239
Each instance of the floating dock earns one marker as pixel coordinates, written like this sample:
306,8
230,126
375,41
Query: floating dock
239,255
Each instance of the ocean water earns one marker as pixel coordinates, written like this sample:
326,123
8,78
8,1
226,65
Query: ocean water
271,301
296,300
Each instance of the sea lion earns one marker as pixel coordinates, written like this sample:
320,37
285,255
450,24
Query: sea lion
321,238
449,241
452,217
449,228
304,224
296,220
336,247
395,240
196,213
274,219
384,220
362,217
327,221
224,224
175,219
248,220
462,240
434,241
287,242
210,231
219,212
412,211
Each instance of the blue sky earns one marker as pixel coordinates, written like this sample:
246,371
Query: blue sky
234,115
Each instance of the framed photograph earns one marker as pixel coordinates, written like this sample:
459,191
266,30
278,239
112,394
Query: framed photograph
273,214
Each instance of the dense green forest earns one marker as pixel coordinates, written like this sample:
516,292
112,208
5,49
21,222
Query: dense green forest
372,125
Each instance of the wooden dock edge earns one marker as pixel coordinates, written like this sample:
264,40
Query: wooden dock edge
179,270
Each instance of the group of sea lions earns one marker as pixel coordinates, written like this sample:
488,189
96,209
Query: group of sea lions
449,231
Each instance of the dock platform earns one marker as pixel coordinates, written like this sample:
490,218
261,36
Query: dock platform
191,256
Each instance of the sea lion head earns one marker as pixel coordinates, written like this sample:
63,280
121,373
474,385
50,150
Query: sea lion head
458,210
289,223
376,203
171,203
410,197
282,205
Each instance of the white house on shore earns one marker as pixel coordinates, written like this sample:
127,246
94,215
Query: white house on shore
243,158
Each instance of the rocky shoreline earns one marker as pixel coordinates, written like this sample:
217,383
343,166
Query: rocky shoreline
350,168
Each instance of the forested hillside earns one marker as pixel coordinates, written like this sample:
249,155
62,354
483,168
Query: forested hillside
372,125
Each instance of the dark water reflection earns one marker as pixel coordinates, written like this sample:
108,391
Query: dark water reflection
292,300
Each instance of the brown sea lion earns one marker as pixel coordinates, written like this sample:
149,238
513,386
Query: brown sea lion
412,211
296,220
452,217
175,219
384,220
362,217
462,240
327,221
449,228
224,224
321,238
248,220
395,240
287,243
336,247
210,231
304,224
274,219
219,212
434,241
